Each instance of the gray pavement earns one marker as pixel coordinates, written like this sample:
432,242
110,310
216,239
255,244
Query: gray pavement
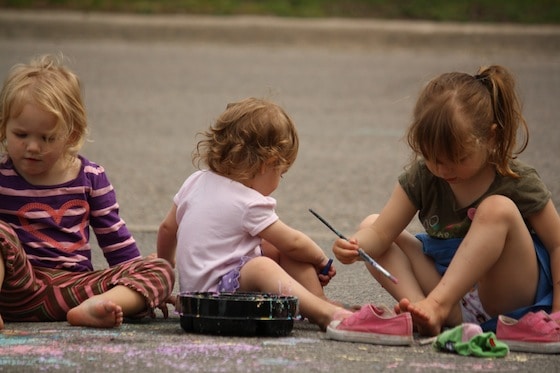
152,82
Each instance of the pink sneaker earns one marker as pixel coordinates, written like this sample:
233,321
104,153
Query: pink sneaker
535,332
373,324
555,316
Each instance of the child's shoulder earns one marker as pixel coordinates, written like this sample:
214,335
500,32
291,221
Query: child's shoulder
207,176
88,164
417,170
521,168
92,170
527,181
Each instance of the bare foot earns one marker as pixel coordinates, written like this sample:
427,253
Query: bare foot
425,314
1,323
96,313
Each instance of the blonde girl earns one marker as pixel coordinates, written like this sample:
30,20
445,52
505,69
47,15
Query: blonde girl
50,196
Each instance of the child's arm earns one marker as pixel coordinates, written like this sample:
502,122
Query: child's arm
167,237
294,244
376,238
112,234
546,224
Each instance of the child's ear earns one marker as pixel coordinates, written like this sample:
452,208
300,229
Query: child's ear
270,163
73,139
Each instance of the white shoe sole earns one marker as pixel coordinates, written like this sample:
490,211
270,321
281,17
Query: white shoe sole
533,347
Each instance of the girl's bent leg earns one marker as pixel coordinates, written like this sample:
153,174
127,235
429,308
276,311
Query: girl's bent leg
497,245
302,272
406,261
152,279
20,288
44,294
416,272
133,291
423,270
265,275
499,291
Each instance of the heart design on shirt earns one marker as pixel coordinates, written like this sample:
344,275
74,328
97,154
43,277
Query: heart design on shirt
57,215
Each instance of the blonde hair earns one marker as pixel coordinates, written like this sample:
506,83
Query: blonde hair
54,88
456,112
247,135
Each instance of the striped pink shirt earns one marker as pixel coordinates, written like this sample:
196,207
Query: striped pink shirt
53,222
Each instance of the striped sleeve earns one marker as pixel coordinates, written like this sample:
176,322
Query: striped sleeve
111,232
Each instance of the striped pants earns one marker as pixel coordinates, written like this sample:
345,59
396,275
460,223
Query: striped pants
44,294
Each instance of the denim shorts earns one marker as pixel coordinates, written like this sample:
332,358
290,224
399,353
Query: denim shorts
443,250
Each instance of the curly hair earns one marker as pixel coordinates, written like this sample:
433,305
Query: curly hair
46,82
248,135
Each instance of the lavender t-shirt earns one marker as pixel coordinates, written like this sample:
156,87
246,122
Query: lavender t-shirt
219,221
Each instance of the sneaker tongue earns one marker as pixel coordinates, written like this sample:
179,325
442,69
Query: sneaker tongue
380,310
555,316
543,324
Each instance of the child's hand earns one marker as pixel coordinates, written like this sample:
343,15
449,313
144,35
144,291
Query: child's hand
346,251
326,275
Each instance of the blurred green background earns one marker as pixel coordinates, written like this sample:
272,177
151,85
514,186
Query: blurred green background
498,11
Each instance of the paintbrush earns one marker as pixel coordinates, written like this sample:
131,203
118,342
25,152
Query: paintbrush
361,252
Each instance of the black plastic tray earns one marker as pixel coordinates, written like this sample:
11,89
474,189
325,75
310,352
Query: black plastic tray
242,314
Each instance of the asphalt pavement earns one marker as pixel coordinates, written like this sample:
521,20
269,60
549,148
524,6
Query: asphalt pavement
152,82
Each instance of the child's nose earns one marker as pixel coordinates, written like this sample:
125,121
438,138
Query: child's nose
33,146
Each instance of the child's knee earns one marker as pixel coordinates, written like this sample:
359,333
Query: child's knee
156,272
258,265
496,208
165,267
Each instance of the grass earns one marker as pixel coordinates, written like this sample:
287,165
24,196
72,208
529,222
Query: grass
512,11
